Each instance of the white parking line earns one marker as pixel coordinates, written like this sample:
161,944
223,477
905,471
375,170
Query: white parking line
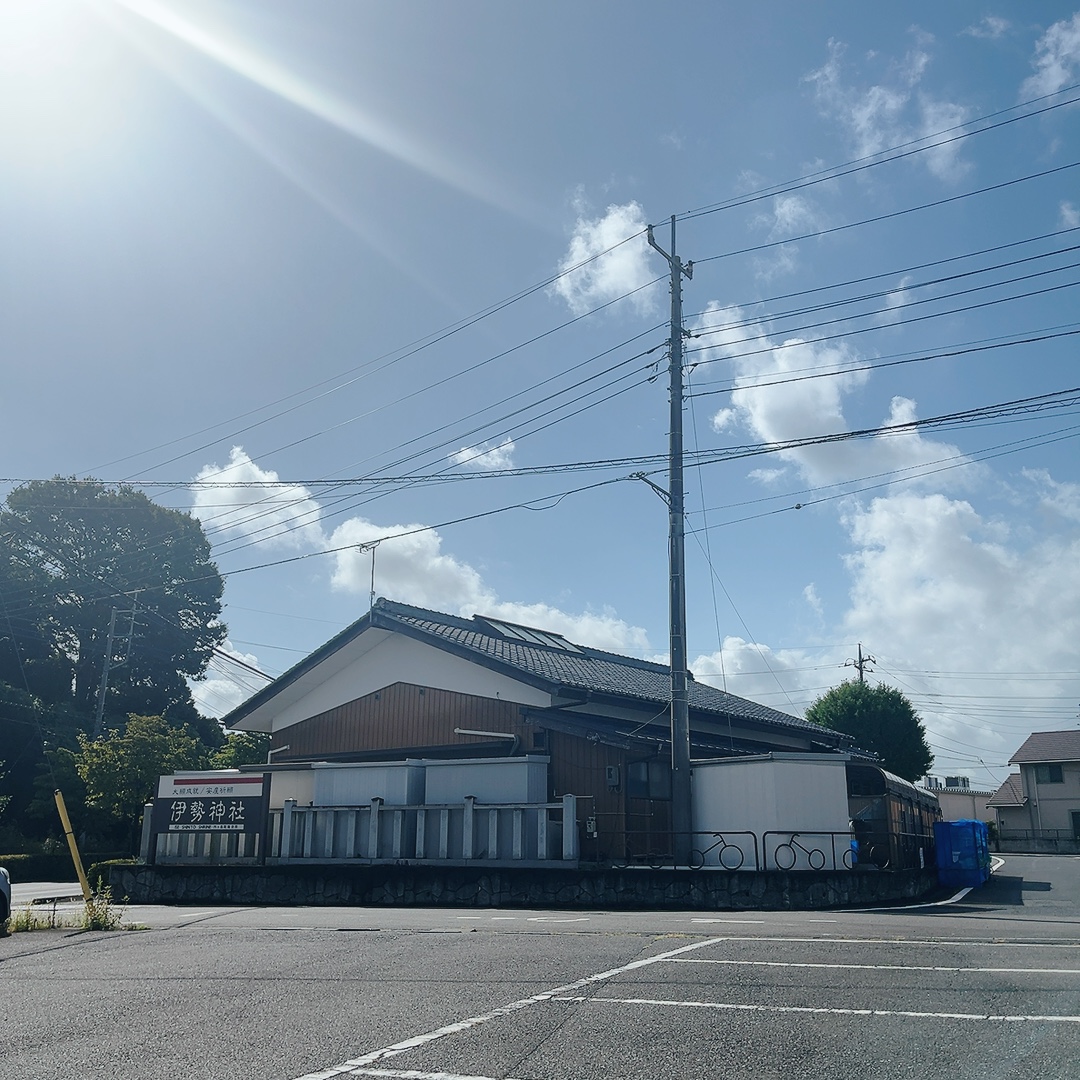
414,1074
357,1066
910,941
754,922
884,967
732,1007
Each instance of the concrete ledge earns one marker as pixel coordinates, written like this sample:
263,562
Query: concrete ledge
426,886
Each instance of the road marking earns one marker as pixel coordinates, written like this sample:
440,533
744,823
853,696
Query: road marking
195,914
356,1066
905,941
755,922
884,967
413,1074
551,918
471,918
504,918
812,1009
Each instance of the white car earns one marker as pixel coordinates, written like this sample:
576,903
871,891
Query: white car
5,900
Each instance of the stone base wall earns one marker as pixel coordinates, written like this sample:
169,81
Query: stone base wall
1037,845
426,886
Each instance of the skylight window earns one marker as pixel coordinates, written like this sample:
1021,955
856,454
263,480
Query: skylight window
528,635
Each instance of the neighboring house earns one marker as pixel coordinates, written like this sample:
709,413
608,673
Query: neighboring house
1009,804
407,683
960,801
1049,785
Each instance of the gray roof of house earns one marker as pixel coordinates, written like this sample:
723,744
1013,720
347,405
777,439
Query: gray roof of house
1048,746
579,667
1011,793
548,661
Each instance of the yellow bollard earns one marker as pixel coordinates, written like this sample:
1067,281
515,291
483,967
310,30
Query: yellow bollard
58,795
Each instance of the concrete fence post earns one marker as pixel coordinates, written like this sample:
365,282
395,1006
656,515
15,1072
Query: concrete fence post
287,828
468,829
146,840
373,828
569,827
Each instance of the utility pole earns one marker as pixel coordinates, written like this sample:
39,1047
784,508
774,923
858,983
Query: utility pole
862,664
681,816
109,664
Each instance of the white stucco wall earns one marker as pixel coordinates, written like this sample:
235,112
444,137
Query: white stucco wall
364,666
1050,806
396,783
491,780
804,793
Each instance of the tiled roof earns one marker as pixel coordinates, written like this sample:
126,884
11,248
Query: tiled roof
581,667
1011,793
1049,746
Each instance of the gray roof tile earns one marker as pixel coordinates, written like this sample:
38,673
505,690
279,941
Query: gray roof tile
1011,793
1048,746
585,668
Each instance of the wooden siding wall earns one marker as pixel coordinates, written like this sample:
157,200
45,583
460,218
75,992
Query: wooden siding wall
405,715
401,715
625,827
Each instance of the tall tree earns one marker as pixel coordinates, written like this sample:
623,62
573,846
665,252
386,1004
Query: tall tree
121,771
241,748
881,720
73,553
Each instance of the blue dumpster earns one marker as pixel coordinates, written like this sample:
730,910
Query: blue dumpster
963,852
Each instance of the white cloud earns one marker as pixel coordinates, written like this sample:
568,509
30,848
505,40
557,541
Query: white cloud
784,679
940,586
897,299
1060,498
805,408
890,113
410,564
988,28
226,685
414,570
788,216
1057,60
609,265
486,456
241,499
973,617
1069,215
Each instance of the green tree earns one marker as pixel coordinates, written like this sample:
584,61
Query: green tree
241,748
73,552
880,719
121,770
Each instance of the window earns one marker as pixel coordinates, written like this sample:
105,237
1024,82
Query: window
1048,774
648,779
529,636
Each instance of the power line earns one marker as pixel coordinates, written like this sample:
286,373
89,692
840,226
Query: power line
887,156
892,215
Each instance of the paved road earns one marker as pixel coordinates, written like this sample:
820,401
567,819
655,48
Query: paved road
988,987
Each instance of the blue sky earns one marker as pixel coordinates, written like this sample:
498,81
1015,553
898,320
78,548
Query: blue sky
327,273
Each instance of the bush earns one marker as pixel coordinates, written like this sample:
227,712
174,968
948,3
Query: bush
39,867
58,867
99,871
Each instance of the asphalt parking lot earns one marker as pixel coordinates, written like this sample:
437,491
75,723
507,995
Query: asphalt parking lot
988,986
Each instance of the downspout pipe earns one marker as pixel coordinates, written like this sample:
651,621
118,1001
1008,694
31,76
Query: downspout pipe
492,735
